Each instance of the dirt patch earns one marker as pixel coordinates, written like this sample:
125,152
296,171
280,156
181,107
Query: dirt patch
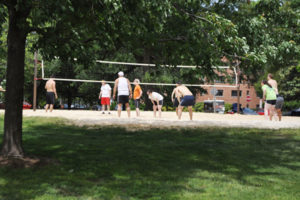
25,162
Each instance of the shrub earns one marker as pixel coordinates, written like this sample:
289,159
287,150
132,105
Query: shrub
228,107
290,105
199,107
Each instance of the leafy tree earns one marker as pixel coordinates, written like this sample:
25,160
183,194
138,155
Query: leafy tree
289,83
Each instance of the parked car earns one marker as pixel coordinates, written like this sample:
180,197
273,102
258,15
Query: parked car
234,108
261,112
295,112
248,111
26,105
96,107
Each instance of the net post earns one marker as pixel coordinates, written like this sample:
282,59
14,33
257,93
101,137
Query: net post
34,81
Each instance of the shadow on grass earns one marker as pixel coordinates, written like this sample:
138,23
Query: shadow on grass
107,163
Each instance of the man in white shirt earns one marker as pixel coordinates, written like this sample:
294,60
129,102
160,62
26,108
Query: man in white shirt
123,86
157,101
105,94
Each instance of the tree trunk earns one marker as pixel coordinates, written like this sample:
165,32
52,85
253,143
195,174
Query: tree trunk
12,141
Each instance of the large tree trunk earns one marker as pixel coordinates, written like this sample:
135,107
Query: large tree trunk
12,142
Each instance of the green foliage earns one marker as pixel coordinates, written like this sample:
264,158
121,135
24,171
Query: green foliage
199,107
228,107
289,83
290,105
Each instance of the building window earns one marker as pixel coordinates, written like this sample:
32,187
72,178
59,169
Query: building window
220,79
247,105
219,93
234,93
248,93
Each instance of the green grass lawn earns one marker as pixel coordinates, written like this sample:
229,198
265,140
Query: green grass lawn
112,163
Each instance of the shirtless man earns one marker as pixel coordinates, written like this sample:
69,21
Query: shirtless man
187,99
123,86
279,100
51,94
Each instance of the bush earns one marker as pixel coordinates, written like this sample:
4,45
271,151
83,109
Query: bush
228,107
164,108
199,107
290,105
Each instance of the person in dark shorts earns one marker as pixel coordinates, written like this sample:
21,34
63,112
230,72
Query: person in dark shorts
187,100
157,101
137,93
123,86
278,106
51,93
50,98
175,100
269,95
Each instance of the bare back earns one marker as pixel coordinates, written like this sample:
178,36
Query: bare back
273,83
183,91
50,86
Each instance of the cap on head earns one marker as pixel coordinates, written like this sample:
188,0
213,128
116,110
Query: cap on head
121,73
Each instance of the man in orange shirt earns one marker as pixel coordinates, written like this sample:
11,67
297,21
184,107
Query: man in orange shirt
137,93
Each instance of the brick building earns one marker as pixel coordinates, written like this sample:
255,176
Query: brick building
229,95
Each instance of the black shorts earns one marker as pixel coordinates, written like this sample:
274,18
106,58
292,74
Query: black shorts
188,100
272,102
123,99
50,98
161,102
137,103
176,103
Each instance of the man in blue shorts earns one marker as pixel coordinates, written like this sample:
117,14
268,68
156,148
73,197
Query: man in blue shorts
187,99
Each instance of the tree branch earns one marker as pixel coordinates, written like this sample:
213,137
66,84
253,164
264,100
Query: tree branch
190,14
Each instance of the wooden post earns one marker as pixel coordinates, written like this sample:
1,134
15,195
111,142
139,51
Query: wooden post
34,81
238,89
238,98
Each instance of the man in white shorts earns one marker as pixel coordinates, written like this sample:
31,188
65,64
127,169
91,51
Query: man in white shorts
123,86
157,101
105,94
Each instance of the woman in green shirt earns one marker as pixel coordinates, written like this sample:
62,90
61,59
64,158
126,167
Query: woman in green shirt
269,96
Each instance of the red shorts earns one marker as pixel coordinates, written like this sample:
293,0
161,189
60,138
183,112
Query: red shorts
105,101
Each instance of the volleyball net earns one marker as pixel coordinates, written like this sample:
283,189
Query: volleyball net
126,64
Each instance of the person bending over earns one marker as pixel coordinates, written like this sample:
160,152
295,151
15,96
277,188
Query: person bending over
187,100
157,101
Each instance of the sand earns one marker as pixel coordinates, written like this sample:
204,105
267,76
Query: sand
168,119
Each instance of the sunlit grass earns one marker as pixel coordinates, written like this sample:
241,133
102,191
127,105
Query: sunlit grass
112,163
